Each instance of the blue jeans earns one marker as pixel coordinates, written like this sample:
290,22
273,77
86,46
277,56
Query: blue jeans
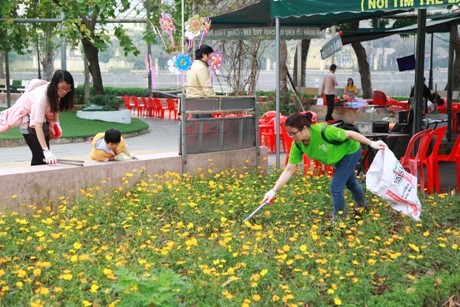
344,175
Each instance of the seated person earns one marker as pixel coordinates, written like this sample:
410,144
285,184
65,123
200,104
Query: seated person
110,146
427,96
350,90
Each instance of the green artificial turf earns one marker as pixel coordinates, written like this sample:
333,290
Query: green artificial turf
74,127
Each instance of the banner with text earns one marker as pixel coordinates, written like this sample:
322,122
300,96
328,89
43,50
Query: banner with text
257,33
331,47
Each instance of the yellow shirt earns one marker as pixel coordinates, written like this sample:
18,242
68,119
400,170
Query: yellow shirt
102,155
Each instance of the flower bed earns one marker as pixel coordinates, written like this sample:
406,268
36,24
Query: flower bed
180,240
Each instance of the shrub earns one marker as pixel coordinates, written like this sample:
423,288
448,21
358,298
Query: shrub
108,102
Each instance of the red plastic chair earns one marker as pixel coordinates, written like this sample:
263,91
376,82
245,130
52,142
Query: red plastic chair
127,102
145,103
158,108
430,159
267,133
379,98
172,107
150,107
412,163
138,106
453,156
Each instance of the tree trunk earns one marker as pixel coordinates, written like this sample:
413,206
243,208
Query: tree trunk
364,69
303,66
283,66
456,68
48,55
2,72
92,54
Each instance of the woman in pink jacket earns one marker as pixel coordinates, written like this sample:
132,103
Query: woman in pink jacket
37,114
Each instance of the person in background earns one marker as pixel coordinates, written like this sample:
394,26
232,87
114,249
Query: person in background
328,90
36,113
110,146
340,148
350,90
427,96
199,83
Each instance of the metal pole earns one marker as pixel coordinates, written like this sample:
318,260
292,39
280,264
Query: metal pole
7,74
430,81
450,78
63,47
277,91
419,104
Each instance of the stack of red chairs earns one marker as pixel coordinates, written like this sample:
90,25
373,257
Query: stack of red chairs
424,164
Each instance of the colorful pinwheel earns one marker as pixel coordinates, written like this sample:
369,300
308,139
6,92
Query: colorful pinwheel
206,28
172,66
183,62
168,27
215,61
193,28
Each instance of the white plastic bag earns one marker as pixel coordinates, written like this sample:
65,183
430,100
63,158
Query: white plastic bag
388,179
319,102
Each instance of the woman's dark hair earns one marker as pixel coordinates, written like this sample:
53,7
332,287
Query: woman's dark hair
112,136
352,82
66,102
333,67
299,120
203,49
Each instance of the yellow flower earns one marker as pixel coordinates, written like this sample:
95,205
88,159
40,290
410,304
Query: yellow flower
275,298
37,272
371,261
87,303
66,276
227,295
21,273
454,246
44,291
263,272
337,301
256,297
2,272
77,245
94,288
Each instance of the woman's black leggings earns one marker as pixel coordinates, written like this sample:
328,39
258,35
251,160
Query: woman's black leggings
36,148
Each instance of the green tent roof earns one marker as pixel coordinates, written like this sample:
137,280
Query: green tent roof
322,13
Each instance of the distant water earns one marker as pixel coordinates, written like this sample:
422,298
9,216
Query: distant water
392,83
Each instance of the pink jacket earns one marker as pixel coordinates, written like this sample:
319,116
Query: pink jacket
15,115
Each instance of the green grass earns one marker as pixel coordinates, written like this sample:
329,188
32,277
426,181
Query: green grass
74,127
179,240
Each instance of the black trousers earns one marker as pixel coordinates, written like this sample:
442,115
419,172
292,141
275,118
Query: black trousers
36,148
330,106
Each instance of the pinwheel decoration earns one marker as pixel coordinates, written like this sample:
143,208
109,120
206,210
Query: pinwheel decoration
168,27
183,62
172,66
193,28
215,61
206,28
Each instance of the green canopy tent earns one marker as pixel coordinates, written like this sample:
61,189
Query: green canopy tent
324,14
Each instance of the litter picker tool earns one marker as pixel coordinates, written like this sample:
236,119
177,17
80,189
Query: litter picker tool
255,211
71,162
